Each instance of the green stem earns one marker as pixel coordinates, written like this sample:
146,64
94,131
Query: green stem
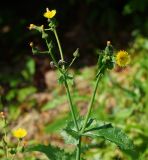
54,60
67,88
5,138
59,44
18,144
78,154
71,105
52,57
91,103
70,64
66,84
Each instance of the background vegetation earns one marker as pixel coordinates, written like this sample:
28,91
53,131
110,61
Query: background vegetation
29,93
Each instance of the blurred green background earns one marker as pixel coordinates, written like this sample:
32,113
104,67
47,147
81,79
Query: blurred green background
28,87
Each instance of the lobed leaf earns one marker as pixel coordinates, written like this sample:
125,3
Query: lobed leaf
53,153
114,135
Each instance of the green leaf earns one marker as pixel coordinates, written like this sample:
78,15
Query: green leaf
114,135
69,76
30,66
23,93
44,35
53,153
69,138
57,101
57,124
70,133
94,124
70,79
11,94
61,79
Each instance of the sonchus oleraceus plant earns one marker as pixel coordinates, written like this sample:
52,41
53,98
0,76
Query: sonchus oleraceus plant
85,126
10,150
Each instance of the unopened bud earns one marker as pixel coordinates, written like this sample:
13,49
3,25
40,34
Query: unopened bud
52,65
109,48
76,53
108,43
61,62
32,26
47,9
31,44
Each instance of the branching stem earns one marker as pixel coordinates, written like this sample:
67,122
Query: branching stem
63,73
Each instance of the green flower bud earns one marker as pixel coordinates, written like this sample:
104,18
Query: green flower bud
76,53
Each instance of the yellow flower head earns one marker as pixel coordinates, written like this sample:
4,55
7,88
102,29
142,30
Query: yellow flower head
49,14
122,58
19,133
32,26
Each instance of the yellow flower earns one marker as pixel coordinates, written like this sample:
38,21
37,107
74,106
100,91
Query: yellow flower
32,26
19,133
49,14
122,58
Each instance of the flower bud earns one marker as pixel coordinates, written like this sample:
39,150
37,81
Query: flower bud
32,26
76,53
61,62
52,65
31,44
109,49
108,43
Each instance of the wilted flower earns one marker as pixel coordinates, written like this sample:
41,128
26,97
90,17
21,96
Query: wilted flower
32,26
49,14
31,44
108,43
19,133
122,58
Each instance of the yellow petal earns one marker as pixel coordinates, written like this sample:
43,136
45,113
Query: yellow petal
19,133
122,58
50,14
